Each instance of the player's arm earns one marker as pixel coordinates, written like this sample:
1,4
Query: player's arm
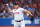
32,18
8,8
28,12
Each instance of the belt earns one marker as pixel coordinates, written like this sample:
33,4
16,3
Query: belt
19,21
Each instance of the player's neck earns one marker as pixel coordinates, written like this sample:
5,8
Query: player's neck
15,9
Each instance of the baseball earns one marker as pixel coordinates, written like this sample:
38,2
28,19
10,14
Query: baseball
6,4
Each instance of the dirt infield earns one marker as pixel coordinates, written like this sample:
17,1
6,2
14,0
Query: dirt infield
26,26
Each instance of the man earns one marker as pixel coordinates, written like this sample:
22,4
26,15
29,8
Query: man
18,15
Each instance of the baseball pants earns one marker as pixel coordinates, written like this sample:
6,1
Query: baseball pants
19,24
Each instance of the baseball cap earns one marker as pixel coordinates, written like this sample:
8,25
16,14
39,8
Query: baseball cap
15,3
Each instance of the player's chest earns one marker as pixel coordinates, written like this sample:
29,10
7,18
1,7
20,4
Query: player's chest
16,12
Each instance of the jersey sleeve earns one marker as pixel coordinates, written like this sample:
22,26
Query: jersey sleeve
23,10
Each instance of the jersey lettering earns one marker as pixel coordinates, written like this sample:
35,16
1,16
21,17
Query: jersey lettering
16,12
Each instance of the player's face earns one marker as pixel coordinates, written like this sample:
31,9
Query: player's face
15,6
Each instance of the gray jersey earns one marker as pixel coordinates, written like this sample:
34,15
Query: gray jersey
18,14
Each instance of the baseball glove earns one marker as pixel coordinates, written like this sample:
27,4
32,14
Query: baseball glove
32,18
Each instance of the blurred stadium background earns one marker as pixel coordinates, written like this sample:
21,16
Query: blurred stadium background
6,18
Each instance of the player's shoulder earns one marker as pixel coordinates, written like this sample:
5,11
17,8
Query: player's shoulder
21,8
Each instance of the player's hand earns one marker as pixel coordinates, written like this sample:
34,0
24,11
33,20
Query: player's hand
32,18
7,5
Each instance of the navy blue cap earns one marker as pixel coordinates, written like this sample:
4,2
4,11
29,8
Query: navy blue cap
15,3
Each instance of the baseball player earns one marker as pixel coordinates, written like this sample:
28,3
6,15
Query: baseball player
18,15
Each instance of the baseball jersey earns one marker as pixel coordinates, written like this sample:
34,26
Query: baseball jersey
18,14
